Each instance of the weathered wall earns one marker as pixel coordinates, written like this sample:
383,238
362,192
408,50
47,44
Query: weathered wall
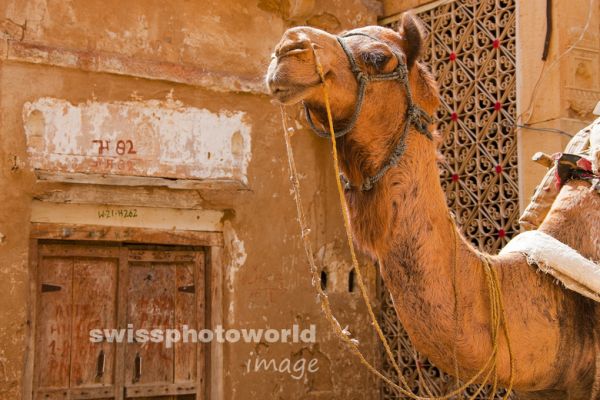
392,7
209,55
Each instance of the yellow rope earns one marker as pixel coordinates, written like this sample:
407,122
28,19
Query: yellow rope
496,306
455,292
305,231
346,218
506,334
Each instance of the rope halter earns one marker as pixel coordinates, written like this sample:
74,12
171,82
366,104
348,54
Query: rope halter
415,115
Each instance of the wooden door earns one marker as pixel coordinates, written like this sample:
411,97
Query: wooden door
86,287
166,290
77,292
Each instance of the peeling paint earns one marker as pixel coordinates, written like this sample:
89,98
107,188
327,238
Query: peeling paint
331,259
236,252
235,255
137,138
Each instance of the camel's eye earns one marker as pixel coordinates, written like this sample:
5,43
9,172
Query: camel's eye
376,59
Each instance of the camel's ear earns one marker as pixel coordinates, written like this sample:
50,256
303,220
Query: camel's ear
412,33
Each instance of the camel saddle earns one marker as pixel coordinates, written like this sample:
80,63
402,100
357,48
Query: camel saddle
549,255
581,161
573,166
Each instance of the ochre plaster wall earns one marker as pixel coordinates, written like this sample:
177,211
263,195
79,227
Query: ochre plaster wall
210,55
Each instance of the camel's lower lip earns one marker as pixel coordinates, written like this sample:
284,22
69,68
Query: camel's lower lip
281,92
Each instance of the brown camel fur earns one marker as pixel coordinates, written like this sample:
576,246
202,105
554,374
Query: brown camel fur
403,222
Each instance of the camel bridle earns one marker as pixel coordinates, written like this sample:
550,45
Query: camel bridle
415,115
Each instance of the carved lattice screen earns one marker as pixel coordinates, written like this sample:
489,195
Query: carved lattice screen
471,51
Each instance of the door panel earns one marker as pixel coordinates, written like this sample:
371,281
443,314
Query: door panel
150,306
164,292
185,314
94,307
54,322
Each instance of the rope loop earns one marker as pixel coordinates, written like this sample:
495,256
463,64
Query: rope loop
402,70
367,184
420,120
361,76
412,114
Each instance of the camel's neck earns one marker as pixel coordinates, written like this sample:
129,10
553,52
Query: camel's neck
404,222
407,207
438,285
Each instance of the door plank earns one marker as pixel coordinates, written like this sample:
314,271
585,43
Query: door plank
215,312
53,344
201,348
95,393
43,230
78,250
185,314
94,307
123,286
151,304
161,256
136,391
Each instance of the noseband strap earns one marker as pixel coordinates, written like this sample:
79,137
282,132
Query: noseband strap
415,115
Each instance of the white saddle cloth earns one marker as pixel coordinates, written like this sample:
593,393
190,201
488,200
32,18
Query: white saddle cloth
551,256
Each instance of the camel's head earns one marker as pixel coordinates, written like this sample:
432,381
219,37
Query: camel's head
293,76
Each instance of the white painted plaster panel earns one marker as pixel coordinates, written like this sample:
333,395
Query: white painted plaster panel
137,138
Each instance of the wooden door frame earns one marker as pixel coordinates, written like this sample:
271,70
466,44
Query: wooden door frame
211,241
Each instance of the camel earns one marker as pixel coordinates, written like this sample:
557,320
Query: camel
402,221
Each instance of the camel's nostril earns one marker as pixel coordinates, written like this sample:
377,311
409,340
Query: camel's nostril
295,47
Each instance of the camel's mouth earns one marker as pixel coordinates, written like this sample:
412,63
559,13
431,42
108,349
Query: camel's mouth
289,94
288,86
